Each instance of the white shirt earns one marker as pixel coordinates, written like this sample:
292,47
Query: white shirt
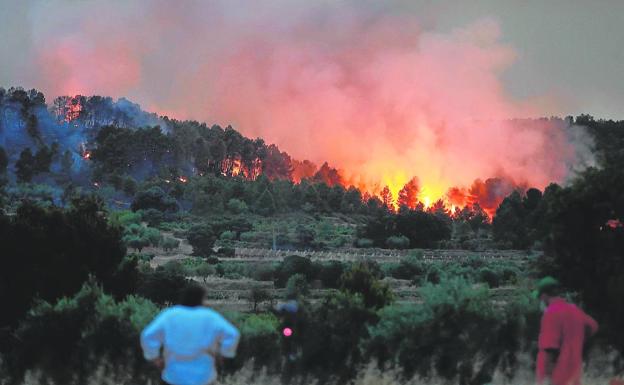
190,337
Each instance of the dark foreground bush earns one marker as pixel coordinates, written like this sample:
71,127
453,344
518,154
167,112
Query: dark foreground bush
454,333
70,339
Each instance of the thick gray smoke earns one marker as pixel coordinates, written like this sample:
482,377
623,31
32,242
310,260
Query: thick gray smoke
371,88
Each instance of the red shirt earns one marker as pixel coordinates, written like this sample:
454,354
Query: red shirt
563,328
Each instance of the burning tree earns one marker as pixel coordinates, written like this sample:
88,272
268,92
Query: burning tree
386,198
408,196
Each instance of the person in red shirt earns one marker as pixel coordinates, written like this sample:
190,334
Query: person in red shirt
563,330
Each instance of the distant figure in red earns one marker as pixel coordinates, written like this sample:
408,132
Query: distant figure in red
563,331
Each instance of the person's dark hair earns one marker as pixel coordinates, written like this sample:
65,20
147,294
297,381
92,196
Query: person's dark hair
192,295
547,285
551,291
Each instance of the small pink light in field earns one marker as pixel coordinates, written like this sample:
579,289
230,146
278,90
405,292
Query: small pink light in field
287,332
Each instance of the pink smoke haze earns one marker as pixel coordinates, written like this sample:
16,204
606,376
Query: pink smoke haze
370,90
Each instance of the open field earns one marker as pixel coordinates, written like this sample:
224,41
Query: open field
234,294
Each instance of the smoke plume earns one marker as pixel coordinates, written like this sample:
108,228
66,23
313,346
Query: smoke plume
370,88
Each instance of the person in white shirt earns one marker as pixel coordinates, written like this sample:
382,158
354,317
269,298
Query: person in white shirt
185,340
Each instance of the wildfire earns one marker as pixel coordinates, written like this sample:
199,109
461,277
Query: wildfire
86,154
400,191
183,179
234,166
68,108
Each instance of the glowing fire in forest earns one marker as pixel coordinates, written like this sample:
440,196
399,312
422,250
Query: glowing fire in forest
183,179
68,108
403,111
86,154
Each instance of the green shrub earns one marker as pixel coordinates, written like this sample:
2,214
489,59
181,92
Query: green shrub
453,328
416,254
490,277
397,242
202,237
136,243
169,243
153,217
330,273
154,198
433,274
333,334
364,243
251,236
509,274
410,268
260,341
205,270
152,235
228,236
263,272
297,286
389,269
212,260
361,280
231,270
124,218
71,337
226,252
138,236
175,268
292,265
338,241
160,286
236,206
257,295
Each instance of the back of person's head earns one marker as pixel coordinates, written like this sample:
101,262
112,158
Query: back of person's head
192,295
548,286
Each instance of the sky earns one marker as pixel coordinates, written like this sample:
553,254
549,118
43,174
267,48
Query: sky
568,52
384,91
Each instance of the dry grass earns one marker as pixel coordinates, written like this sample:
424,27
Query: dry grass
596,374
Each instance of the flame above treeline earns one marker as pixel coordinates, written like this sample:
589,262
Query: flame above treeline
481,194
370,88
486,194
398,191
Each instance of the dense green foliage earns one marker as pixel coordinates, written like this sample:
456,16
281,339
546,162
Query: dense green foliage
50,253
68,339
407,228
454,324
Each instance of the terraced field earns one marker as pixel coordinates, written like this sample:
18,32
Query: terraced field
234,294
378,255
